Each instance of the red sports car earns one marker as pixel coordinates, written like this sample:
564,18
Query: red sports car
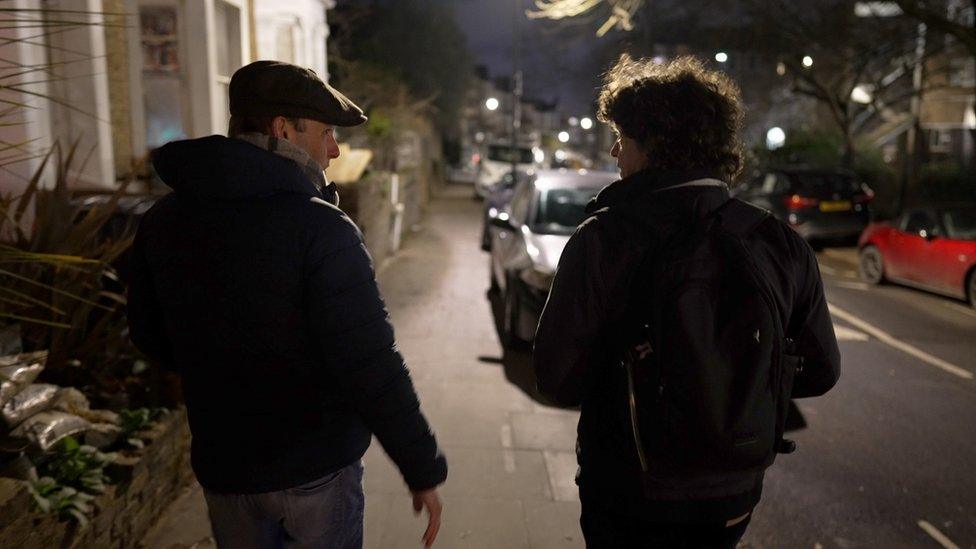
933,248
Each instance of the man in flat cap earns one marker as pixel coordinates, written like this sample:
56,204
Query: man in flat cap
252,285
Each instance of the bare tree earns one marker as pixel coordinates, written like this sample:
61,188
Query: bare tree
938,16
856,68
620,12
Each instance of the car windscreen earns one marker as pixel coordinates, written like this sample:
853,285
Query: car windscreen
960,224
503,153
561,209
819,183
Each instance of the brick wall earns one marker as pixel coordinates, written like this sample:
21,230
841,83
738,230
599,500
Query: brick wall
145,484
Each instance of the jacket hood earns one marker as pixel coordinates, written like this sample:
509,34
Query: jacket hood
639,192
217,167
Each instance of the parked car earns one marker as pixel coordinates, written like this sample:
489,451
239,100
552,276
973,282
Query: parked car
495,204
497,162
528,236
933,248
820,204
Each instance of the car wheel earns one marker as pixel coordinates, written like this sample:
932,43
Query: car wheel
971,285
871,265
513,317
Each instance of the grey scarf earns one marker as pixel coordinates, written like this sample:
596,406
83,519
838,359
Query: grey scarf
312,169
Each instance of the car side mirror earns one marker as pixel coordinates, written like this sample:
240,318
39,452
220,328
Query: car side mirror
502,222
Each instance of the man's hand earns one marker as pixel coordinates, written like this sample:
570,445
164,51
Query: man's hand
430,500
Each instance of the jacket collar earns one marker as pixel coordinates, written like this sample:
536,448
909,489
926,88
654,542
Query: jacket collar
639,186
284,148
217,167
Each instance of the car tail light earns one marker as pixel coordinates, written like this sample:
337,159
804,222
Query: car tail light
797,202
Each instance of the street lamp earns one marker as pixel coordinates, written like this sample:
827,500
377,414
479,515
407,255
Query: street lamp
862,94
807,61
491,104
721,57
775,138
586,123
563,137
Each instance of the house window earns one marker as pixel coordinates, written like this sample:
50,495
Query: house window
227,35
162,75
940,141
962,72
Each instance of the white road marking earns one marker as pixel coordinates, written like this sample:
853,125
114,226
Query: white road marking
863,286
890,340
960,308
847,256
847,334
937,535
850,274
507,454
828,270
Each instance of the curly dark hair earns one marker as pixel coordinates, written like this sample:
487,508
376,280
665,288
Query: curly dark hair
682,115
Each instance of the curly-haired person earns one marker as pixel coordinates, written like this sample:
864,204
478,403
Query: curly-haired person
680,320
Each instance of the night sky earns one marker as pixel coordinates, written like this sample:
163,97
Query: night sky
558,58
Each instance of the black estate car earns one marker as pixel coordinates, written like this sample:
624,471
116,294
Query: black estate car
820,204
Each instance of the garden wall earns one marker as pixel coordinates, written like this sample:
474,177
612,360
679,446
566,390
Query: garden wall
144,484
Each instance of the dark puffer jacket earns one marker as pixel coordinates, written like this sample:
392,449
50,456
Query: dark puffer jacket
263,297
577,346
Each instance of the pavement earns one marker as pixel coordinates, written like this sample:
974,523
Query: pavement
886,459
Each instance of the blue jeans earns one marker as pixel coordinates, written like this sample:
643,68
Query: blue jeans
326,513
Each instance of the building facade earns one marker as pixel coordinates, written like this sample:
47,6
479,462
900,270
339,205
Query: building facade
123,77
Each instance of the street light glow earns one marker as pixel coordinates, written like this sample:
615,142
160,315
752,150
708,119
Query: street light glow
573,121
491,103
721,57
775,138
861,94
563,137
538,155
807,61
586,123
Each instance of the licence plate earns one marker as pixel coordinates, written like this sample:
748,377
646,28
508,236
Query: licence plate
835,206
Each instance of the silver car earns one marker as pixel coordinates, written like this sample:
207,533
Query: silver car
528,236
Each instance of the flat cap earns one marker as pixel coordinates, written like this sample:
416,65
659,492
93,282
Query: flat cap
275,88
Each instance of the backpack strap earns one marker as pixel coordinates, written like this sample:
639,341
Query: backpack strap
740,218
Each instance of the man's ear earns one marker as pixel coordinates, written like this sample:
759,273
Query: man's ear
279,127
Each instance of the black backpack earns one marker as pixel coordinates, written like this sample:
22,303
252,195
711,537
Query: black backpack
709,372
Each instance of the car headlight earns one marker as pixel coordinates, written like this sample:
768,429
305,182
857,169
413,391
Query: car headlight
538,278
